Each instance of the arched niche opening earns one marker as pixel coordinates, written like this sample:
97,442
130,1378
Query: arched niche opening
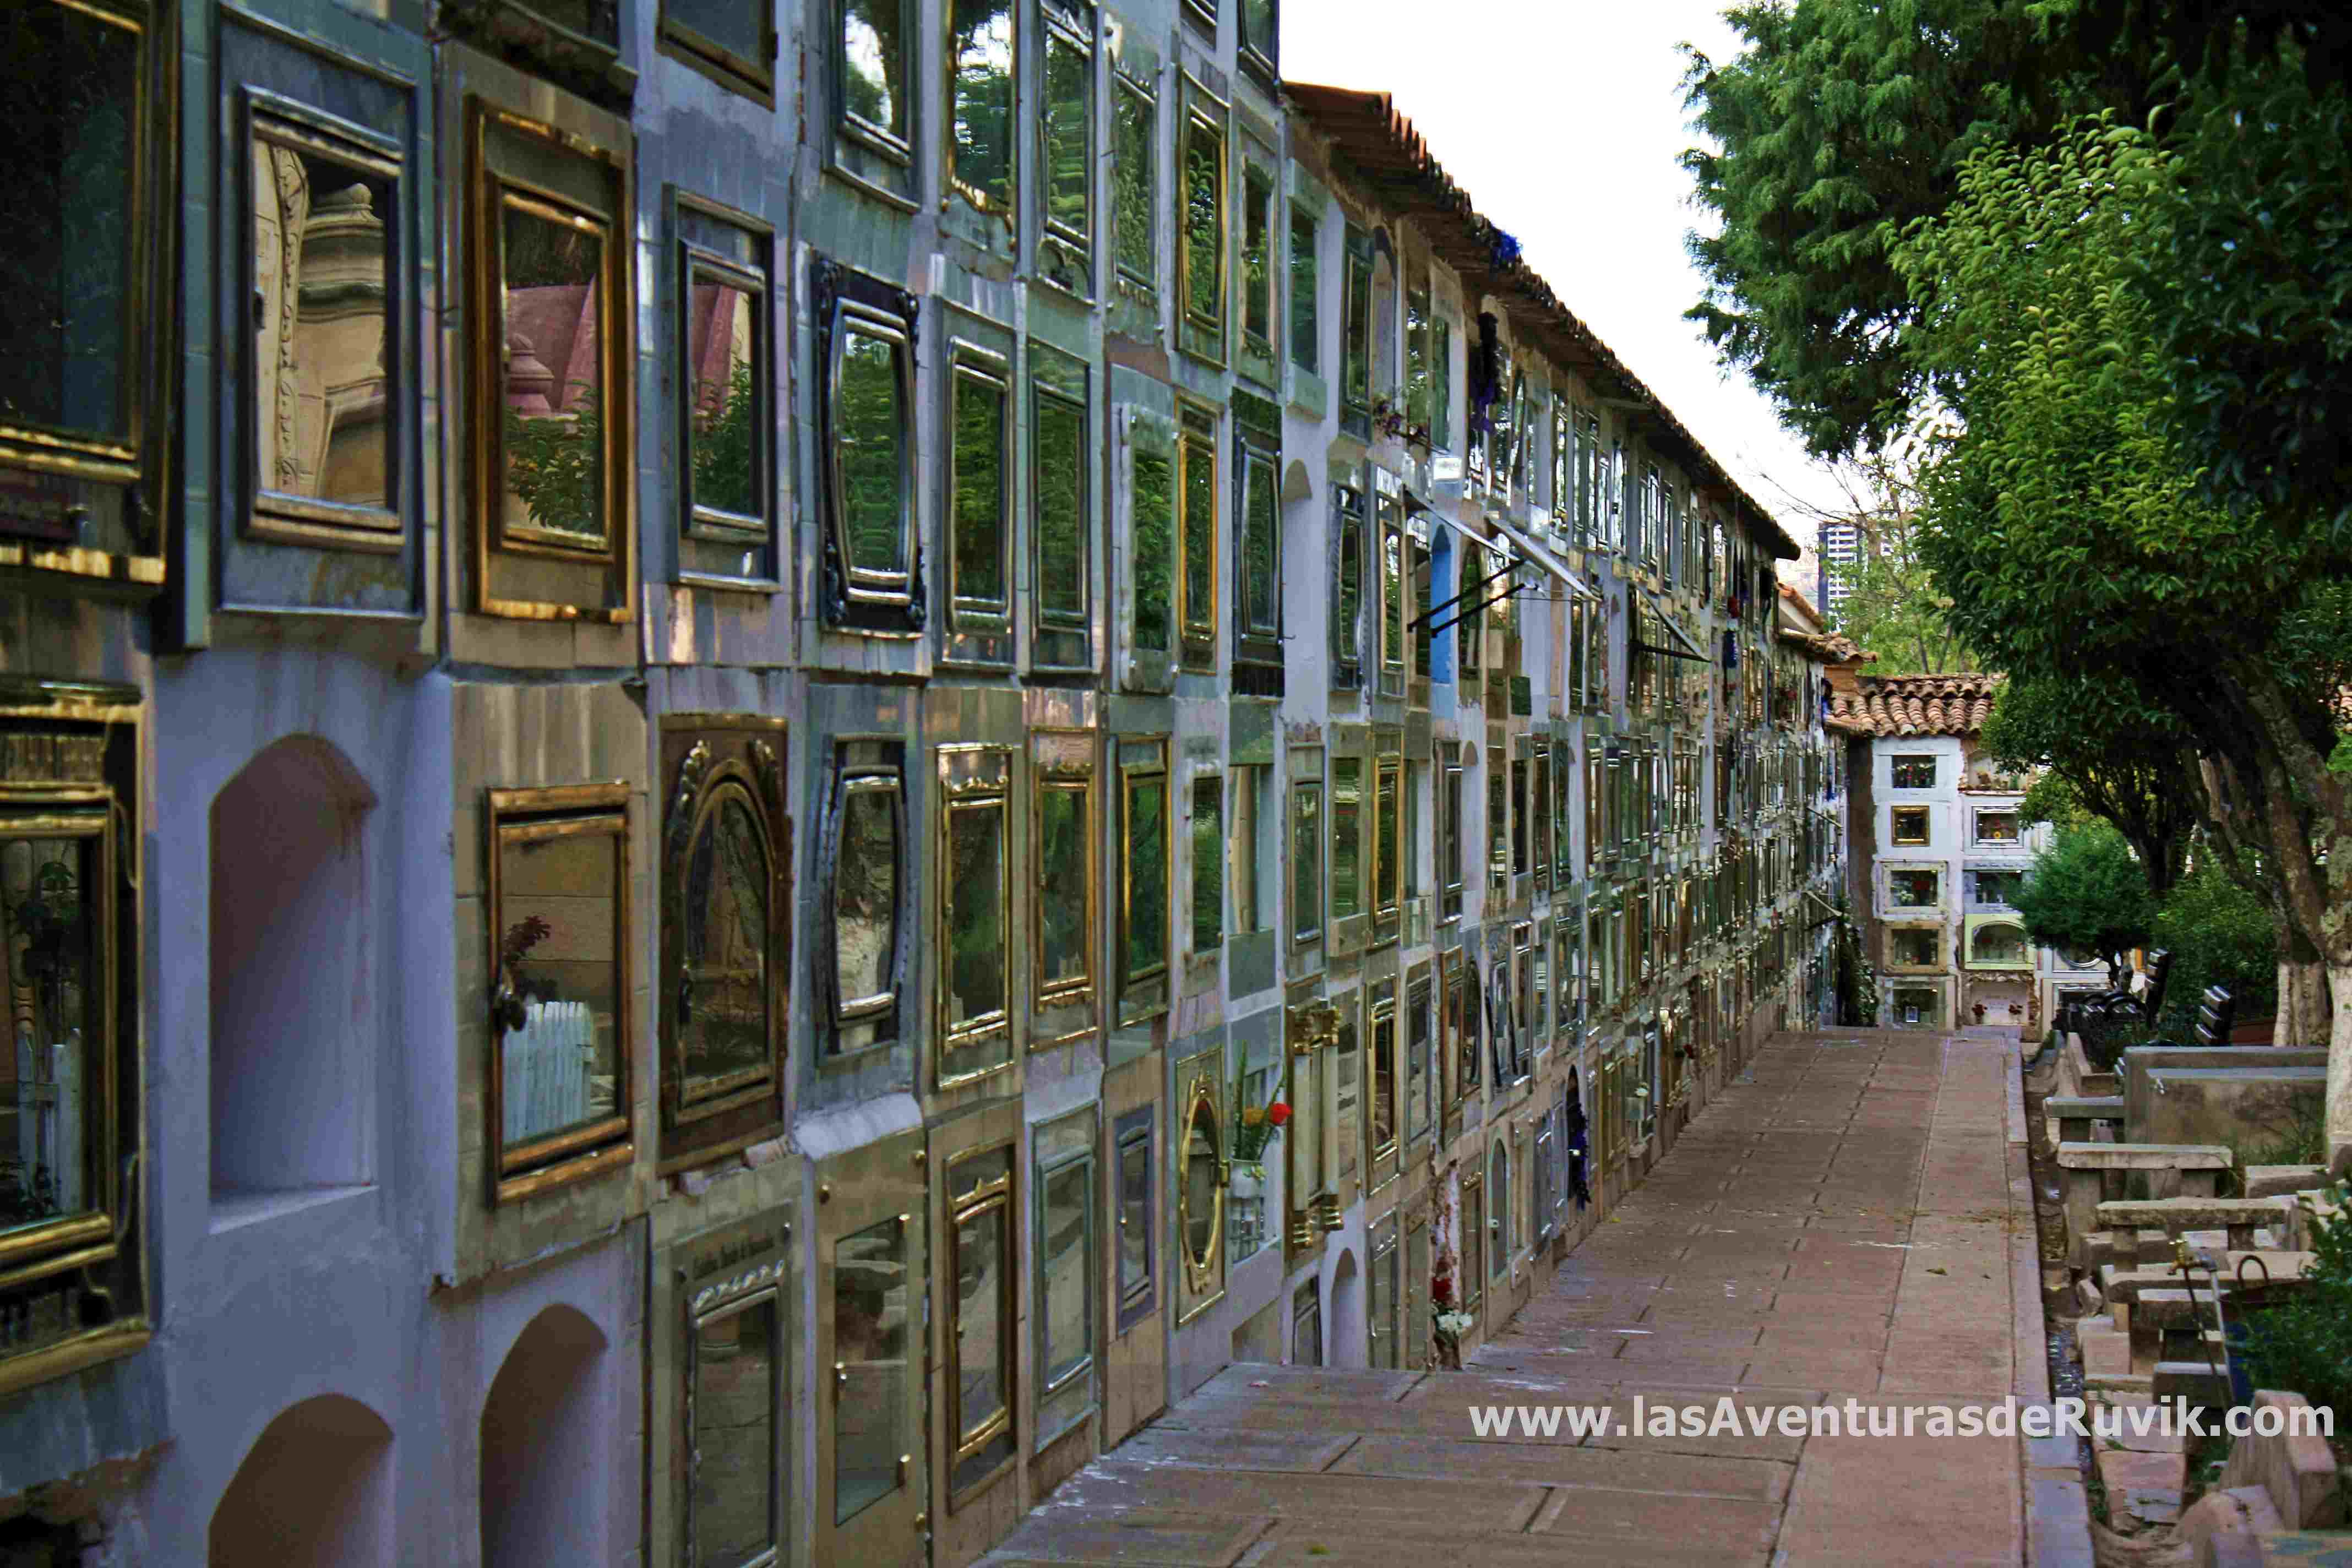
1350,1343
315,1491
293,980
544,1447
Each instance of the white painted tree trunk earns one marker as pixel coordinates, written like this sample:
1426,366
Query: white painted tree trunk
2339,1071
2303,1007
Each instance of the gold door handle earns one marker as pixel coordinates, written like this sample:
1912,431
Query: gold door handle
840,1376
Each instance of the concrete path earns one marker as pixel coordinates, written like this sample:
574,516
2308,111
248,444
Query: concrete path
1837,1224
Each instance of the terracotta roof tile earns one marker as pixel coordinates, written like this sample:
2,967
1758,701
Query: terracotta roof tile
1914,704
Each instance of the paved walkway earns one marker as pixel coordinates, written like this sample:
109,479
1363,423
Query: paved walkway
1835,1224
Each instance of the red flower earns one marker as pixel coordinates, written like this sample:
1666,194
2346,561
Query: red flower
1277,1113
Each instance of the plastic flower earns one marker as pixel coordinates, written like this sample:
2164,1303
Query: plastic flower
1278,1114
1252,1116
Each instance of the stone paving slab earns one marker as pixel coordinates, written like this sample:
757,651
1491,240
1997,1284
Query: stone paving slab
1840,1224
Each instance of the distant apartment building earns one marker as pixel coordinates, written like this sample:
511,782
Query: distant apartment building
1836,544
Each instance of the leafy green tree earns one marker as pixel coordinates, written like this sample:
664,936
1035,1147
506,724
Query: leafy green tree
1838,124
2219,933
1893,608
2122,761
2087,893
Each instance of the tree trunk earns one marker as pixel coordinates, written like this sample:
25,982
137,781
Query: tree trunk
2339,1071
2302,1009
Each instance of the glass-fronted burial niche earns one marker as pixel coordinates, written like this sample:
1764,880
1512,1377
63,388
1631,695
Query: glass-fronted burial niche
864,870
871,1342
54,892
725,913
735,1376
326,223
559,930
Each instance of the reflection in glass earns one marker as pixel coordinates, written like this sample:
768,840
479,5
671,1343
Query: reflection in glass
874,63
1347,1074
1208,863
1066,1263
1306,861
1499,1183
980,50
1069,138
1061,435
869,1349
1257,26
1203,1152
866,910
1384,1273
1247,913
1134,1220
1147,874
1417,1059
1200,525
48,926
982,1339
869,424
1135,181
1257,261
1383,1080
559,896
1388,828
975,934
723,991
1348,621
552,318
71,84
1356,368
739,26
1261,549
1063,816
1347,843
1205,223
1304,324
1420,388
1155,549
734,1447
727,418
1474,1242
321,312
1391,596
1914,890
979,504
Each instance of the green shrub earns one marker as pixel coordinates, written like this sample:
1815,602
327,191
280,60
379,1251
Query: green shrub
2304,1344
2219,934
2088,893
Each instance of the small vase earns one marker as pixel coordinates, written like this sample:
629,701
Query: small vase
1248,1180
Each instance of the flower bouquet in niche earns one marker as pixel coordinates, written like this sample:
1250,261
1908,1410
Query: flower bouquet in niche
1259,1124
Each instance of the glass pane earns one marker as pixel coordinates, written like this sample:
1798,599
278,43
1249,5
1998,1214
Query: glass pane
1246,912
320,309
874,63
1384,1082
1200,524
1257,258
722,1005
1208,864
1135,181
1391,596
1303,325
1383,1307
1387,825
1069,137
739,26
1134,1218
979,503
1416,1062
66,191
1419,389
866,902
1062,886
868,424
1068,1270
1306,862
1061,431
1257,26
1205,223
559,899
1155,547
870,1343
981,89
1347,846
47,1098
980,1325
734,1454
1203,1149
1346,622
975,872
554,378
1355,373
1348,1073
726,423
1147,874
1261,550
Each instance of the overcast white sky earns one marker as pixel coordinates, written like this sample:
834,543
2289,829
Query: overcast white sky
1563,118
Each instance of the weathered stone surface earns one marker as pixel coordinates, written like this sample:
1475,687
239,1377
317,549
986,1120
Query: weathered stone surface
2174,1215
2240,1511
2105,1351
2123,1470
2282,1181
2144,1157
2297,1471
